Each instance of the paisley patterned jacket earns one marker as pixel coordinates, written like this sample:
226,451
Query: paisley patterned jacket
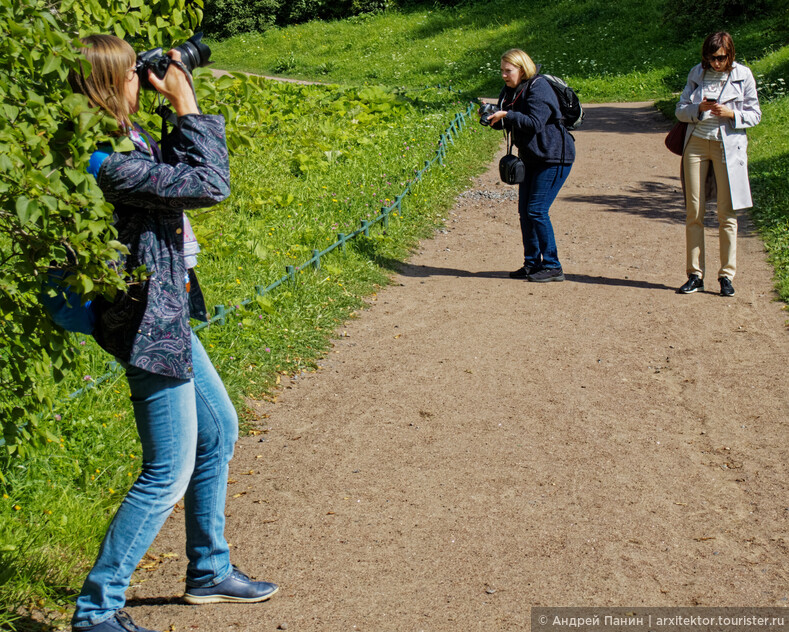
147,326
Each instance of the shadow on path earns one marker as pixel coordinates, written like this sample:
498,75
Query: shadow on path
420,271
658,201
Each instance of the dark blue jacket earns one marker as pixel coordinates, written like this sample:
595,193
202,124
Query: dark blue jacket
147,326
534,118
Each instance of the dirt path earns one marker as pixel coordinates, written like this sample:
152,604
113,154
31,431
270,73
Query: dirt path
475,446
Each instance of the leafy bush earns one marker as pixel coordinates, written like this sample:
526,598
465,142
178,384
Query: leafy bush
49,206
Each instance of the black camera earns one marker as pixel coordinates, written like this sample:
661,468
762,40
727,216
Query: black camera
194,54
485,112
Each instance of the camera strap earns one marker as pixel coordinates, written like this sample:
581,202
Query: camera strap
508,139
168,116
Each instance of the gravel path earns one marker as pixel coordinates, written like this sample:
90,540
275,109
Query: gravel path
475,446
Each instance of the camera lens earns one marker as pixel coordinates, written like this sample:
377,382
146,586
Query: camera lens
194,53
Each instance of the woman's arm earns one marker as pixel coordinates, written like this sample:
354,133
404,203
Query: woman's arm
201,179
686,111
748,113
536,111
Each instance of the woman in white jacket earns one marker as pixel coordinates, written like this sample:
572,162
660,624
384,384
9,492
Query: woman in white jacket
719,103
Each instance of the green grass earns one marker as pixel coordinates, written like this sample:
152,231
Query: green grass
769,169
324,158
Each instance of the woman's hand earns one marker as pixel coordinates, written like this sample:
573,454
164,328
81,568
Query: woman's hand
721,110
175,87
706,106
497,116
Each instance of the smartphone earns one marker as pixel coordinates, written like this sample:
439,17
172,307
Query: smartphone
708,100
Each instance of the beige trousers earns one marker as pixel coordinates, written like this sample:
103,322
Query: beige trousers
699,155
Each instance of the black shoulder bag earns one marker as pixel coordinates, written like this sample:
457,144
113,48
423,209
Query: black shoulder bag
511,167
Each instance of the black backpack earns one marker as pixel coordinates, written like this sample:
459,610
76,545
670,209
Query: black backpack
569,105
572,112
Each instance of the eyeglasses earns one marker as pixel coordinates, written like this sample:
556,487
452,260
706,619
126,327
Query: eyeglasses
718,57
130,73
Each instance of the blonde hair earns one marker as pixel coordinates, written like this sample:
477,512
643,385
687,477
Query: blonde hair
110,59
520,60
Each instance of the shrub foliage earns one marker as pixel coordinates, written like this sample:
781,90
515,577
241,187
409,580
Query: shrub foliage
49,206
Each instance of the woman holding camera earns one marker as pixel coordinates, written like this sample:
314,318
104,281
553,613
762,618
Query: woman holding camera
185,420
719,102
529,110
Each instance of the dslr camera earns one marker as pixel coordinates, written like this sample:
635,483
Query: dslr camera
485,112
194,54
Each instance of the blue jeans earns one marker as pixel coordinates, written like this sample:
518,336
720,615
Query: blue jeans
187,429
537,192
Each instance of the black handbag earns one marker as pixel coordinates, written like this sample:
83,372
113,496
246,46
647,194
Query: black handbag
511,167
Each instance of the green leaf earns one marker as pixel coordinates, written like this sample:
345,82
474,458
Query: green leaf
265,304
22,212
52,63
122,144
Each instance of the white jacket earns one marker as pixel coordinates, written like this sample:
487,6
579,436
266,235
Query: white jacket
738,94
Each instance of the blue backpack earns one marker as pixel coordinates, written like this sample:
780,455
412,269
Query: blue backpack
66,307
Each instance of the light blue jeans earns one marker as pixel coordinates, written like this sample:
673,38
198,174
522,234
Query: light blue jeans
187,429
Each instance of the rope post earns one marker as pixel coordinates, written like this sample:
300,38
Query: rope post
341,239
219,312
385,212
291,272
366,227
260,289
442,143
316,256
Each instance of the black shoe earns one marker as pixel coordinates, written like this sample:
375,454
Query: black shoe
119,622
546,275
236,588
694,284
521,273
726,287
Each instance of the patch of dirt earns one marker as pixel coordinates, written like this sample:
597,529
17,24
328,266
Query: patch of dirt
475,446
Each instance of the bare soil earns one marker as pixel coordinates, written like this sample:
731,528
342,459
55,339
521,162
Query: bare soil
474,445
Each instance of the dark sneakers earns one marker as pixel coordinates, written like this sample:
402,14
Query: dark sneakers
546,275
521,273
236,588
119,622
726,287
694,284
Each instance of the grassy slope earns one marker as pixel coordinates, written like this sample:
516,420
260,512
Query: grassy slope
592,44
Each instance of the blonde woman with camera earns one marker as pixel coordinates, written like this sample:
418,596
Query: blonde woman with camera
529,110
